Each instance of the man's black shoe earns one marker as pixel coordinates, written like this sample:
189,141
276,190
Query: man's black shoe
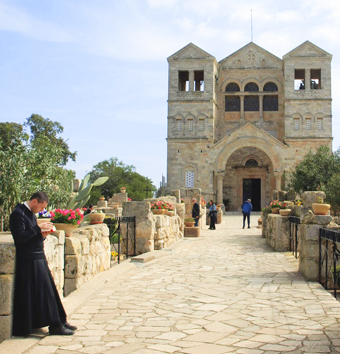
61,331
69,326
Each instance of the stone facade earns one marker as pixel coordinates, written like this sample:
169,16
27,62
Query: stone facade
235,126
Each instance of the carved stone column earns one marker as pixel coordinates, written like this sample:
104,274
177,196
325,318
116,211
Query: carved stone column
261,107
191,80
220,175
278,177
242,107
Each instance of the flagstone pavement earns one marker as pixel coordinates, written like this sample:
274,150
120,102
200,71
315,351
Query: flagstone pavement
224,292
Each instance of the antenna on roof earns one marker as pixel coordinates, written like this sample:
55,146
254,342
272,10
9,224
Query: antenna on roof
251,23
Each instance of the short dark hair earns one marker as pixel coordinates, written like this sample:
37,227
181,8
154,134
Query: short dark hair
91,206
40,197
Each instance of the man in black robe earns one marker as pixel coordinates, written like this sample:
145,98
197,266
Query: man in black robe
36,300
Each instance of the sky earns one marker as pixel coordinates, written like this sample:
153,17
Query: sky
99,67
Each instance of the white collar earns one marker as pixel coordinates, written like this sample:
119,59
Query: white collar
26,205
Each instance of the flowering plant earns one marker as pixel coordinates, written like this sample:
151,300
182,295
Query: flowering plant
67,216
170,207
182,200
122,187
129,200
159,205
283,205
44,214
298,202
203,202
275,204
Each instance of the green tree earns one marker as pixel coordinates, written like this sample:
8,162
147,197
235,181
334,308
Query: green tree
120,175
40,127
28,164
319,170
315,170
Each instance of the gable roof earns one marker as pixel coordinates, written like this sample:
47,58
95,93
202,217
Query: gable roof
254,47
307,49
190,51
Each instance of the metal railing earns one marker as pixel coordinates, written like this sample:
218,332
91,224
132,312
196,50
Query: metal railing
123,238
328,259
293,235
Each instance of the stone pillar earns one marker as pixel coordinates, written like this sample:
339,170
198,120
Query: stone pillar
220,175
191,80
261,107
242,107
278,177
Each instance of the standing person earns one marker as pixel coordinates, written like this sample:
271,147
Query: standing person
195,212
246,210
213,215
36,300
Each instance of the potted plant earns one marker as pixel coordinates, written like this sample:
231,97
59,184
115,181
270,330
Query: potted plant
101,198
159,207
320,208
43,216
189,222
218,207
123,190
96,217
284,210
66,219
170,210
182,200
275,206
298,202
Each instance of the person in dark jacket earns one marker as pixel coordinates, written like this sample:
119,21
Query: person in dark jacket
212,215
36,300
88,210
246,210
195,213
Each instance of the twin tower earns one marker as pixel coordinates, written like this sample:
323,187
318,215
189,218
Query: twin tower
235,126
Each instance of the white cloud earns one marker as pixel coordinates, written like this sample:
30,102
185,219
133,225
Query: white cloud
15,19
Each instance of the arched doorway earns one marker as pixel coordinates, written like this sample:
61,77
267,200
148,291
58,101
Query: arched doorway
248,175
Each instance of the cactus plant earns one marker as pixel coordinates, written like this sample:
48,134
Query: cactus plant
82,197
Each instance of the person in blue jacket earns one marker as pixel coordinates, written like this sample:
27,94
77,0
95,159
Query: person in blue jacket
246,210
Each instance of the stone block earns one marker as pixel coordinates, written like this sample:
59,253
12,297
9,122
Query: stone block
139,209
281,195
5,327
72,284
308,198
219,216
191,231
102,204
72,266
72,245
6,293
7,254
291,195
277,232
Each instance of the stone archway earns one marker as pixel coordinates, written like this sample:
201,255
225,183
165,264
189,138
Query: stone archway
231,170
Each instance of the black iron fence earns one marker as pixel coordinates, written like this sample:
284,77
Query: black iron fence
329,253
293,235
122,233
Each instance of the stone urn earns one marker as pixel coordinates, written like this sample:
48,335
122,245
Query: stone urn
123,190
41,221
320,208
285,212
96,218
275,210
170,213
68,228
102,198
158,211
189,223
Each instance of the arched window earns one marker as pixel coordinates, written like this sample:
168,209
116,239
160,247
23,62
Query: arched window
252,163
232,103
251,86
189,179
233,86
270,103
179,124
270,87
251,103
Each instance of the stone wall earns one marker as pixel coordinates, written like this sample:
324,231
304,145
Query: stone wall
7,261
277,232
87,253
153,232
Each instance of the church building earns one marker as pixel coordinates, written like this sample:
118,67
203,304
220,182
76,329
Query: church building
235,127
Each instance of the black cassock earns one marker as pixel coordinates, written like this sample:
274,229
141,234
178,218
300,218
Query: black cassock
36,300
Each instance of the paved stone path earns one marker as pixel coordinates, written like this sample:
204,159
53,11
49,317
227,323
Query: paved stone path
225,292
